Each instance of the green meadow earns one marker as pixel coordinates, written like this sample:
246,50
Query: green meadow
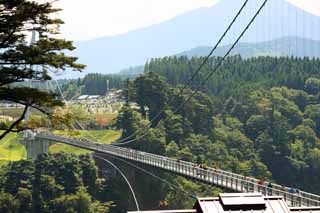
102,136
12,150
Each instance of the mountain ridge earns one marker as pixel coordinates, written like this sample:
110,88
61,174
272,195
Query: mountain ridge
289,46
201,27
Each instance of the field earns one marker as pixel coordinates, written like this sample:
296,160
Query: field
12,150
103,136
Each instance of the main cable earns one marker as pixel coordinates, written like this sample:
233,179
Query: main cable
124,177
209,75
204,62
206,59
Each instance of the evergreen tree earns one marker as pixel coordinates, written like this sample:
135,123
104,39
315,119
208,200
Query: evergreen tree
20,61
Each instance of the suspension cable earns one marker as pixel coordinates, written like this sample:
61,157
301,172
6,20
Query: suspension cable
194,75
124,177
206,59
209,75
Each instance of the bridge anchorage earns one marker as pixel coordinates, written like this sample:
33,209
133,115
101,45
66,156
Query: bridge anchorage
35,146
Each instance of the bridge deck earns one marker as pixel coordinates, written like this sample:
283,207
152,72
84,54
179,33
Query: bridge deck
209,175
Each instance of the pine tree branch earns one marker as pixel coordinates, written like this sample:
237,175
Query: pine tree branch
15,130
3,42
14,124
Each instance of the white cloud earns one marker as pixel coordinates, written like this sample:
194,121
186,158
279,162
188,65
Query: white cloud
312,6
87,19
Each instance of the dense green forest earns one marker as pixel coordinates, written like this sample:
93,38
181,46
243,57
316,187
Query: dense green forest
237,75
55,183
258,117
92,84
68,183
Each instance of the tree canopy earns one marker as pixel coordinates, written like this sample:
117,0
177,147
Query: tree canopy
257,117
23,61
55,183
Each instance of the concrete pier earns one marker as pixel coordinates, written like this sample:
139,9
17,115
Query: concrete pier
35,146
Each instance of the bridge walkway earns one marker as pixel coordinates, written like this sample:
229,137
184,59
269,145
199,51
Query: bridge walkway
208,175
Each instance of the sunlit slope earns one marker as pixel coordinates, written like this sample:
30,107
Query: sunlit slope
12,150
103,136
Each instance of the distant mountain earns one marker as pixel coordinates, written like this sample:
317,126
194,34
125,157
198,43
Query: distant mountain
201,27
288,46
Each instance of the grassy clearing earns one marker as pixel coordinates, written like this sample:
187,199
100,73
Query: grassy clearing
62,148
103,136
11,149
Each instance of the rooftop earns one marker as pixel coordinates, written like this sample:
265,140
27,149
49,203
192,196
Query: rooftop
241,202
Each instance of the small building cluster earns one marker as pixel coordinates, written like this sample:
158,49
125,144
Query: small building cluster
7,104
110,97
100,104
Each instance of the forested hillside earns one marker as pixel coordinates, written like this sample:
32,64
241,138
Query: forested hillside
281,47
98,84
92,84
286,46
237,76
58,183
258,117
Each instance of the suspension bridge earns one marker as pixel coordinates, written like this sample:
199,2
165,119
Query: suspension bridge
40,142
207,175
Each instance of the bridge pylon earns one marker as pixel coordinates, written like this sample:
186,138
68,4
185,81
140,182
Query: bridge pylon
35,146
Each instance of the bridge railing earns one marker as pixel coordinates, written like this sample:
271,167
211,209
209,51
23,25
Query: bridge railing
208,175
218,177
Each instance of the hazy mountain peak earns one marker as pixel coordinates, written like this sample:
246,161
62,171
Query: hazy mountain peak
201,27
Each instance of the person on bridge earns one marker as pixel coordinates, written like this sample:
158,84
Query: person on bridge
261,182
292,190
269,190
197,167
204,166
